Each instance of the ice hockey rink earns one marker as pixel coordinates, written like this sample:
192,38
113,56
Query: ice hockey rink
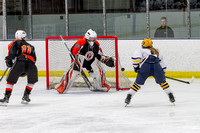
83,111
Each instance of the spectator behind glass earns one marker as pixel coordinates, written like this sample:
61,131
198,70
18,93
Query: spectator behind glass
164,31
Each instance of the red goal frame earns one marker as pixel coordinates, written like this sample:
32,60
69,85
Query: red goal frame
80,37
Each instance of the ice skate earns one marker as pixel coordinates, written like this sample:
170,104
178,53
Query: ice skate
128,99
171,97
5,100
25,98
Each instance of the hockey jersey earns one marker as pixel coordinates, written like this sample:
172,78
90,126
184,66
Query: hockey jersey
142,55
21,50
89,52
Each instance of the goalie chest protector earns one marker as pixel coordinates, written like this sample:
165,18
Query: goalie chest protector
90,52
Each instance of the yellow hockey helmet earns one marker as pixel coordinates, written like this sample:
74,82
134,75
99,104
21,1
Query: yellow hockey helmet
147,43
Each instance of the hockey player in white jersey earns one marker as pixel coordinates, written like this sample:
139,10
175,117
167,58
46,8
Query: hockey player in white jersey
148,62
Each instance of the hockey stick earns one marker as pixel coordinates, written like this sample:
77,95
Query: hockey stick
86,80
4,73
187,82
82,72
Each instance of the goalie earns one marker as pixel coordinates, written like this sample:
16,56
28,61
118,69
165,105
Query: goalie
87,53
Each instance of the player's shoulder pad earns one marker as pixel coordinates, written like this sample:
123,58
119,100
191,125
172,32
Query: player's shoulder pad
10,45
13,42
81,41
97,43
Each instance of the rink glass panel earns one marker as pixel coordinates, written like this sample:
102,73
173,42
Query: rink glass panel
195,19
175,13
1,27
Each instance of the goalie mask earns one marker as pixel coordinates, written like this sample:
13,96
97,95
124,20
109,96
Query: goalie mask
20,35
91,36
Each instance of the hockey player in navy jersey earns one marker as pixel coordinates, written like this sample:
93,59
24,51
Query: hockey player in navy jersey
148,62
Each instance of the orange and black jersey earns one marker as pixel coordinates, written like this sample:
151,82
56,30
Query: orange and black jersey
90,52
21,50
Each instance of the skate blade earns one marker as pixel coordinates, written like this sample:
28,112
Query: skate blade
24,102
126,105
91,89
3,104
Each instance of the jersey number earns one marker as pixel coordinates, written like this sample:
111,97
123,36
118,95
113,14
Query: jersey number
26,49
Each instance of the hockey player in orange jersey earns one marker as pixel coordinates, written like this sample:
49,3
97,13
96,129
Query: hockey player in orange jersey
24,55
85,52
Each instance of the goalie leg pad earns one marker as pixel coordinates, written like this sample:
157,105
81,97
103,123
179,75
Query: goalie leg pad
104,82
78,62
96,82
63,83
67,81
99,78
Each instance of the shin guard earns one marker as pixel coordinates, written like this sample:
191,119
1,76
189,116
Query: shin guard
67,80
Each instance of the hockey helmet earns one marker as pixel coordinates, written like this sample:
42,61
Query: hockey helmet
91,36
147,43
20,34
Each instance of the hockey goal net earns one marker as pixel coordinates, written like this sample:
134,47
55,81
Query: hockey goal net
58,61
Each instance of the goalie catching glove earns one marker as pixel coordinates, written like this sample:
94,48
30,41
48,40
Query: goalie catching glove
109,61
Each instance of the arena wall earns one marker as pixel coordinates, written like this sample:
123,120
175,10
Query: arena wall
181,56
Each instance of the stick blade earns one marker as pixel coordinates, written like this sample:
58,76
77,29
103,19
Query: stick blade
192,79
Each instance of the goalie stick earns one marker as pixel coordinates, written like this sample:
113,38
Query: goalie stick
187,82
4,73
82,72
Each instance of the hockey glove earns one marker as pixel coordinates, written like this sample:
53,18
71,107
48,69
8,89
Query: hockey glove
9,62
109,61
164,69
137,69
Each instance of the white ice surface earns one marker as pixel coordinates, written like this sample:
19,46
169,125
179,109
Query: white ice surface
82,111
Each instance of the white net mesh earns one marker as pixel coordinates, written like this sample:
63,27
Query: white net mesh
59,61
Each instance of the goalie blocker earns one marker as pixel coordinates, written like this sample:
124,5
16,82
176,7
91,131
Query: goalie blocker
92,54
